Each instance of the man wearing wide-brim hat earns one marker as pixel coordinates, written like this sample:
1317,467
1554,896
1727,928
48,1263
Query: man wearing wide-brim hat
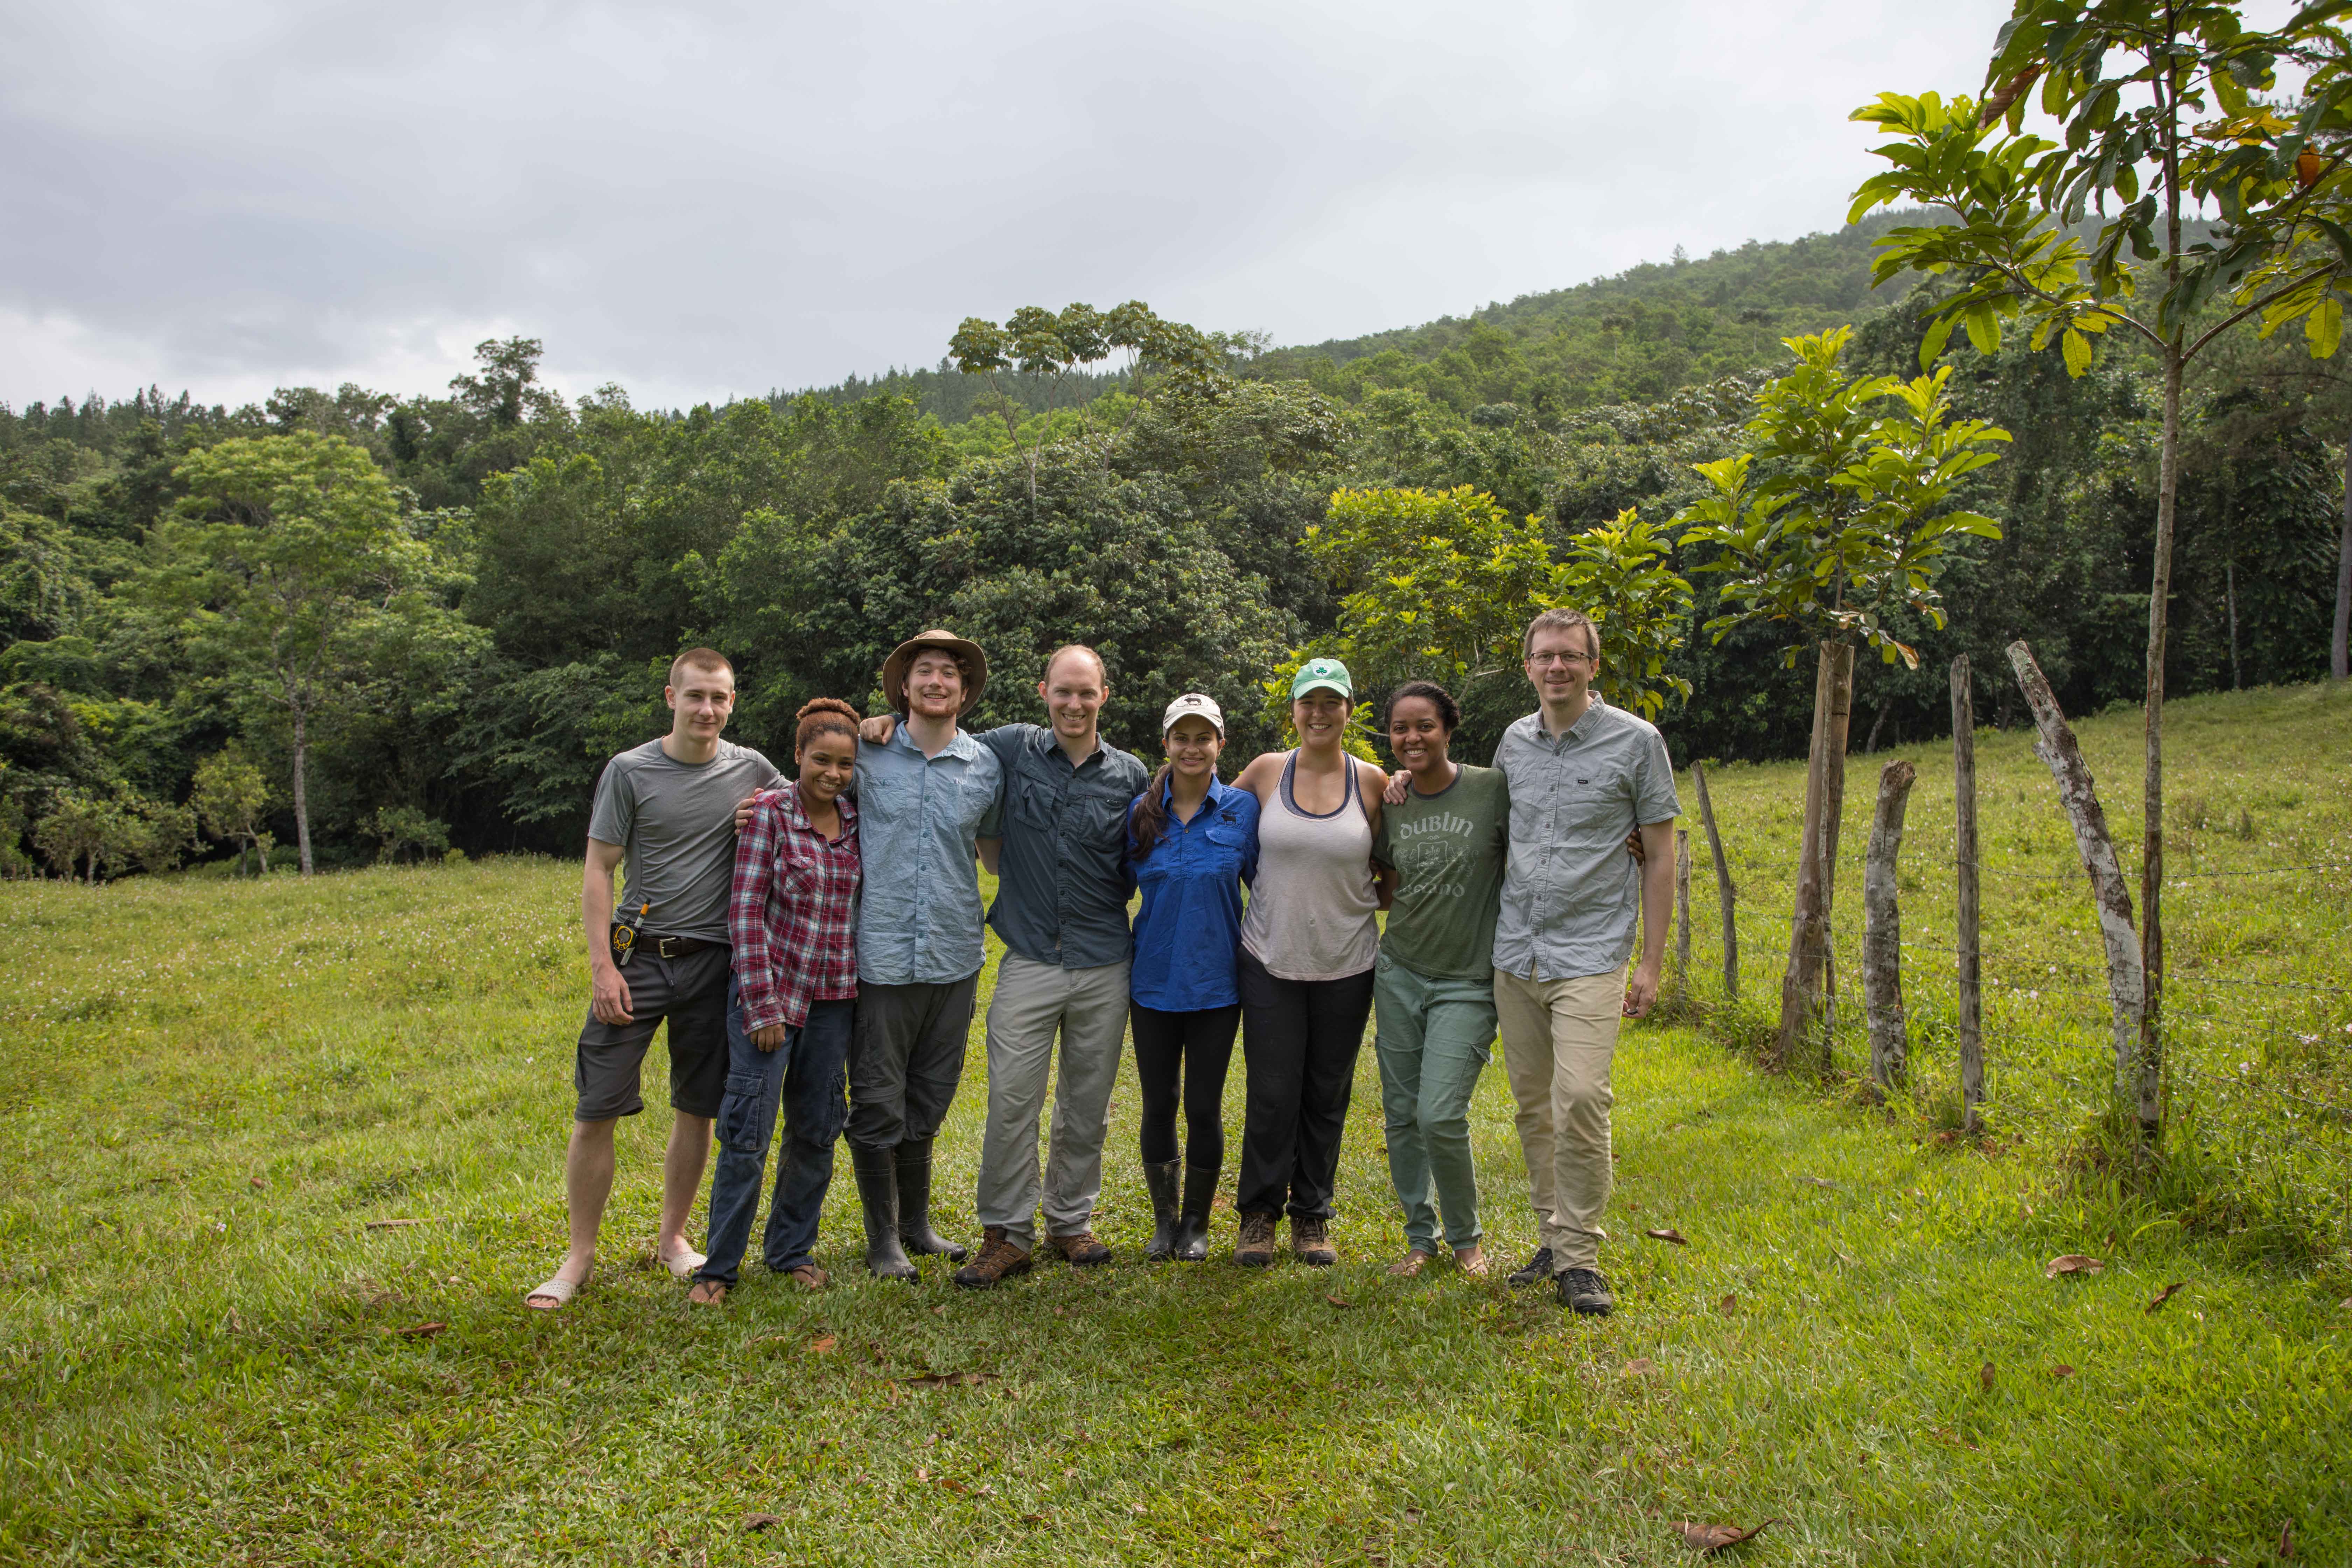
927,800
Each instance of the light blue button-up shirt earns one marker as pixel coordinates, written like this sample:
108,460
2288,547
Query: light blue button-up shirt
1570,891
917,818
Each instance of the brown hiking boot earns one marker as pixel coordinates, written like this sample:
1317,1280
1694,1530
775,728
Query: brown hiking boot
1081,1250
1311,1243
1254,1247
999,1258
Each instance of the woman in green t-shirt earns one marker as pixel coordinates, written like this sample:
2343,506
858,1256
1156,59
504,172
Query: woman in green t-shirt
1440,852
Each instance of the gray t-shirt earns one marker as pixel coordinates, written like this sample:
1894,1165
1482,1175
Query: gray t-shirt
675,823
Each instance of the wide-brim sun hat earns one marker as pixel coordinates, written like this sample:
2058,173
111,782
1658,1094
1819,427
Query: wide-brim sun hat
894,668
1322,675
1193,705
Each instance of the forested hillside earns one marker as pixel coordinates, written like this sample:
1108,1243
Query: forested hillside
492,578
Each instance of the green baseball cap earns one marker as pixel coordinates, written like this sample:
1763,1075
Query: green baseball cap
1322,674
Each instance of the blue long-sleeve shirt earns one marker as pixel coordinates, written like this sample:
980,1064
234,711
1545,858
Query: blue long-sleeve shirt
1188,933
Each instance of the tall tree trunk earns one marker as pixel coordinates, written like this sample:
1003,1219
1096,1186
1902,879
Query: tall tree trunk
2230,591
1881,927
1800,1039
2339,650
2151,870
2127,977
1968,963
301,786
1724,892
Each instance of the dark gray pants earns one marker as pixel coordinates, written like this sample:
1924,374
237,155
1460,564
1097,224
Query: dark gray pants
906,1058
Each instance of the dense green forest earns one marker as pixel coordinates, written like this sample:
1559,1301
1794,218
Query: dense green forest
480,609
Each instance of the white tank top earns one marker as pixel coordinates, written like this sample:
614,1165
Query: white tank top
1313,913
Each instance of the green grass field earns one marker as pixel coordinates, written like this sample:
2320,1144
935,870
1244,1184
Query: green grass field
215,1093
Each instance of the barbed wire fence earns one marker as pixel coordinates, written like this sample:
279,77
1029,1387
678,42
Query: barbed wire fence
2047,1031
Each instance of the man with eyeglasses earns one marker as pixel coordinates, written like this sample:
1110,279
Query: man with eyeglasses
1583,777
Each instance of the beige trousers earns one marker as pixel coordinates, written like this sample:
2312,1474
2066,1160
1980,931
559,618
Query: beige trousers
1558,1036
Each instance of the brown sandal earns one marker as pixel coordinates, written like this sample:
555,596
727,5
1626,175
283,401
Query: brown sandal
708,1293
809,1277
1411,1263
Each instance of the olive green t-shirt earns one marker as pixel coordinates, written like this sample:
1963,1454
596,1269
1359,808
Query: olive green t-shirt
1448,851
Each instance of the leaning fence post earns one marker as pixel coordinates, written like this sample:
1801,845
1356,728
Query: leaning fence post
1681,908
1964,853
1882,926
1723,890
2127,980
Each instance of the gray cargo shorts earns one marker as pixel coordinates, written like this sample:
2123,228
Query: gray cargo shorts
692,994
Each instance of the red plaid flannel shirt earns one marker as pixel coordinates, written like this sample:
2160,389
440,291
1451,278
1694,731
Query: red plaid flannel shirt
793,914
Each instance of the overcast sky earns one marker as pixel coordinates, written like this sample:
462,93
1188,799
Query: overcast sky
701,200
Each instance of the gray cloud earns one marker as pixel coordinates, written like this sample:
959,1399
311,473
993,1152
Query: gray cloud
702,200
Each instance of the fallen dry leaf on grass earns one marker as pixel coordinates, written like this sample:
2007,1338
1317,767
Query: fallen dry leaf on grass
1036,1519
420,1330
1728,1305
2167,1294
1709,1539
2209,1562
1339,1301
2071,1263
1821,1182
392,1224
761,1521
1642,1367
946,1379
2286,1540
822,1346
1667,1233
257,1183
1984,1377
2062,1370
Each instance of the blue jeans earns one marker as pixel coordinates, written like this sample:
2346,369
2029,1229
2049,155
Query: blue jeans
806,1078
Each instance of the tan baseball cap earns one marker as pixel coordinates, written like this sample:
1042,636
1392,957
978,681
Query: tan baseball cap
1190,703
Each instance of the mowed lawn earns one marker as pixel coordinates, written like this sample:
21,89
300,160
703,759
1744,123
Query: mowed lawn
214,1349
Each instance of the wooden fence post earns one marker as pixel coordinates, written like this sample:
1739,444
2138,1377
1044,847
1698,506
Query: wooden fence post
2127,980
1723,890
1964,853
1681,908
1881,927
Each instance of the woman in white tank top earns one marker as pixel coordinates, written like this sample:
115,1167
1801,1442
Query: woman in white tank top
1309,939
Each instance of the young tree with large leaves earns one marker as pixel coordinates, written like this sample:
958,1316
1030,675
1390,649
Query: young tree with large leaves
1836,518
2132,83
284,561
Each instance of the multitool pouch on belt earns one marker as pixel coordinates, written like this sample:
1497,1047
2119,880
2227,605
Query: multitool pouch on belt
626,923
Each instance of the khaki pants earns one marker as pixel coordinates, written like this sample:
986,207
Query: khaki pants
1558,1036
1034,1003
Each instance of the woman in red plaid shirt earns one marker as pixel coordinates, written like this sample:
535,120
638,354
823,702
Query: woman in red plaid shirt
793,918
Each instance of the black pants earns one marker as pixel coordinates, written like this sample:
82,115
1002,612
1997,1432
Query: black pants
906,1058
1299,1038
1183,1055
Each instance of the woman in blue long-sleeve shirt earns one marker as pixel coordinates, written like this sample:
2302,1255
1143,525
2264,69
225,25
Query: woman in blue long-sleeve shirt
1193,841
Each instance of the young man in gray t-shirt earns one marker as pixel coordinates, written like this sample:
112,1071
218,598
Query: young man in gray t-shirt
663,817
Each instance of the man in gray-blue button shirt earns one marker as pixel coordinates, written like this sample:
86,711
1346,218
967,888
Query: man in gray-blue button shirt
927,802
1583,776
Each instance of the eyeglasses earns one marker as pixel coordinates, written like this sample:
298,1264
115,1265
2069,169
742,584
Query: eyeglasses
1550,657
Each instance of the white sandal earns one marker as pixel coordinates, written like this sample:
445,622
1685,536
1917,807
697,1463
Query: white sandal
557,1292
682,1267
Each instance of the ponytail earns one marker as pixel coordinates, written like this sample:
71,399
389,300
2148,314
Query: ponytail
1151,818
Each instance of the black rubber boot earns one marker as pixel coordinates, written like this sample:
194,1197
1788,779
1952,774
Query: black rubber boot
1160,1181
878,1191
915,1232
1192,1240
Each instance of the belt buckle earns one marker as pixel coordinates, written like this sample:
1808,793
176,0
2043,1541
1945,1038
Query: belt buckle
662,947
